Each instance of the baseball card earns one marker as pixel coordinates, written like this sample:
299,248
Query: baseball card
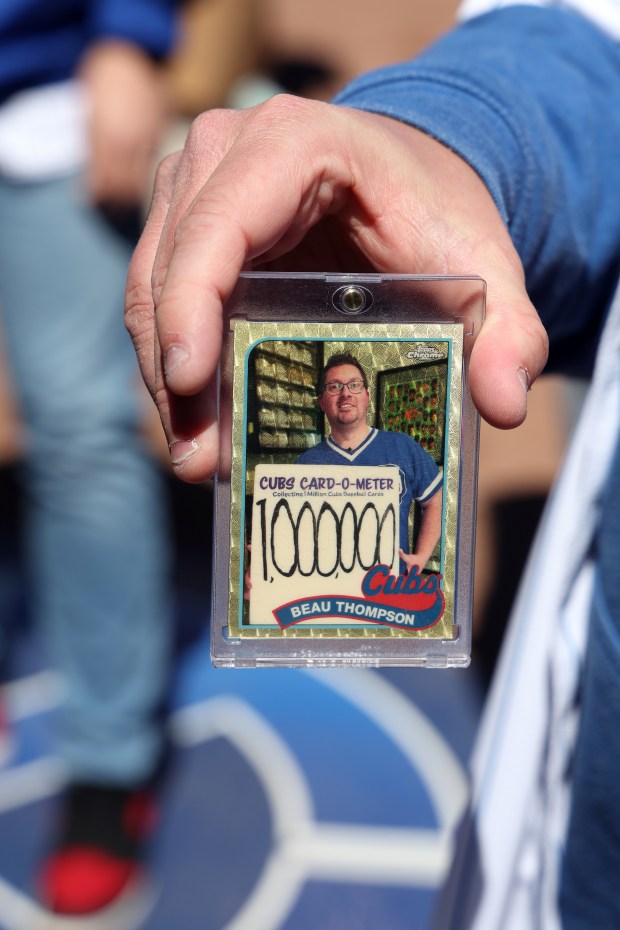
343,486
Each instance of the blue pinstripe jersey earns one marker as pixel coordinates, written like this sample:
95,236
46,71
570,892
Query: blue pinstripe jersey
420,477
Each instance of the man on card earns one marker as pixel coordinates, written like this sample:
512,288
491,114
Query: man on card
343,397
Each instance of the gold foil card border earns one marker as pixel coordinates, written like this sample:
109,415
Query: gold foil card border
246,335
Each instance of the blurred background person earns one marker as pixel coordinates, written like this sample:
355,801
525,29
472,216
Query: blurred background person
81,113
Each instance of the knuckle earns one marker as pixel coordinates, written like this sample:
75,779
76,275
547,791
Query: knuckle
283,112
280,105
166,171
138,310
208,131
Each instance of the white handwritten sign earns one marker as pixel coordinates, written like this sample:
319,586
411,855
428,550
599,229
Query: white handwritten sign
316,532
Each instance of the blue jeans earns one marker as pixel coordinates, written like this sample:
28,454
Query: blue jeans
95,531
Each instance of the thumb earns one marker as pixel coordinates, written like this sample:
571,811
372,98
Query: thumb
509,354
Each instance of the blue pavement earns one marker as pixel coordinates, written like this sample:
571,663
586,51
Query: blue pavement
294,800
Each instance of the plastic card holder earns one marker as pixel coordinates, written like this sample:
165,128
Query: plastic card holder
346,488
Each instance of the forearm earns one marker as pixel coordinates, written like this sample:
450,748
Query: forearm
127,115
519,94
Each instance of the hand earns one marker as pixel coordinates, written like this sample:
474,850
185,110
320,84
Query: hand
127,117
411,560
429,533
311,186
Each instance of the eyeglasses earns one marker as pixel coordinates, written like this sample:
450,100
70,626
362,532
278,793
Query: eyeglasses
335,387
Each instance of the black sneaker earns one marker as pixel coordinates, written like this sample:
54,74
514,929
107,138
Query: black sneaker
99,855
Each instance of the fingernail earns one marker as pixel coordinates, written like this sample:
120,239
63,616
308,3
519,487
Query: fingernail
524,378
182,449
175,356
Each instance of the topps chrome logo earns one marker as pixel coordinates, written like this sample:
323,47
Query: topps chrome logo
427,353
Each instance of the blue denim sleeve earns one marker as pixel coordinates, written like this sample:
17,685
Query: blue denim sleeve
530,98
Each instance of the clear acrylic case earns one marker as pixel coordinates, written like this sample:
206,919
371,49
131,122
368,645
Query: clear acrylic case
307,527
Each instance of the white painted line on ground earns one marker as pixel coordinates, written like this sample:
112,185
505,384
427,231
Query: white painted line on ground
34,694
419,740
31,782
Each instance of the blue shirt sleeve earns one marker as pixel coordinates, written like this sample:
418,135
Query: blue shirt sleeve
42,42
149,24
530,98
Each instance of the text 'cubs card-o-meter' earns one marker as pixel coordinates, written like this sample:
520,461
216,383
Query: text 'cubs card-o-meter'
345,494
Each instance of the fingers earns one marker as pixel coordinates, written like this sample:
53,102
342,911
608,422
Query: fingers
226,206
190,423
468,236
411,561
216,207
252,184
259,196
139,302
509,354
451,225
189,298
